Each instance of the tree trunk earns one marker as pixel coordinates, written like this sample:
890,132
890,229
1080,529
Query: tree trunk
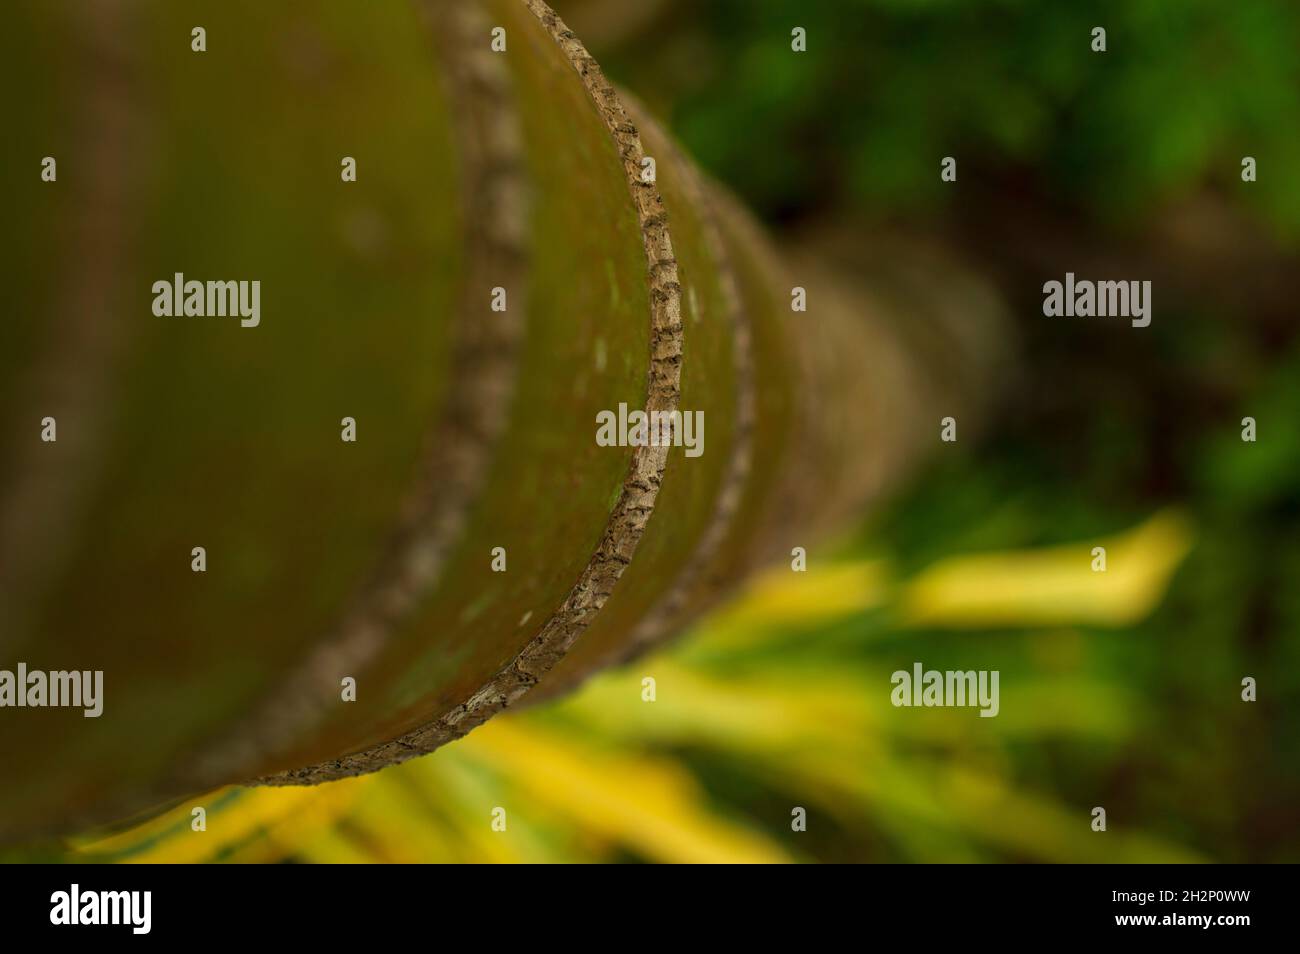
502,271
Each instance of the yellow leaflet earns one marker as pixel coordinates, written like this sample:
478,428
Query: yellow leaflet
1054,585
822,592
463,795
650,805
762,712
233,816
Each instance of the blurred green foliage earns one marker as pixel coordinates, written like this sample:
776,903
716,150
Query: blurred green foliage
887,87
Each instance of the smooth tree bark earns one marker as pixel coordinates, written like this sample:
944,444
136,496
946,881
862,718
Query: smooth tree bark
503,269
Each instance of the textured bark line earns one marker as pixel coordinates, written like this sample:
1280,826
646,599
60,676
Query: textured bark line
697,578
636,502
